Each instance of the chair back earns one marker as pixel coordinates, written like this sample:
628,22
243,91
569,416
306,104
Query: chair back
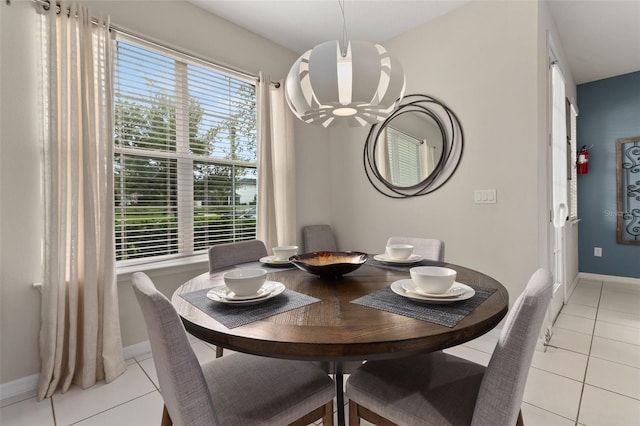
428,248
182,383
502,387
226,255
318,238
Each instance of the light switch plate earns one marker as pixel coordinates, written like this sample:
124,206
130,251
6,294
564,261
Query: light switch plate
485,196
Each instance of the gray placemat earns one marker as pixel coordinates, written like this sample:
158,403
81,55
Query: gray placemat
445,314
235,316
400,266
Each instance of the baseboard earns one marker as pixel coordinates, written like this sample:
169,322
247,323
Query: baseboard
609,278
29,384
24,385
138,349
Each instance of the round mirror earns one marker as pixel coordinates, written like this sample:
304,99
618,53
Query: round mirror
415,150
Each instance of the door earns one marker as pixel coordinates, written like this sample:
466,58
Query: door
559,190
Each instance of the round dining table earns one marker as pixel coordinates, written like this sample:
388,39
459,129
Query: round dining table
336,330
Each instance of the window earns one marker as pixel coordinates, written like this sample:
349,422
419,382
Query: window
185,173
404,158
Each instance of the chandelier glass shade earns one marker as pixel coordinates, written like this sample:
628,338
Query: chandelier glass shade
358,86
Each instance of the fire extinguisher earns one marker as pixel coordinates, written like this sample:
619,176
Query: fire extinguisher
583,161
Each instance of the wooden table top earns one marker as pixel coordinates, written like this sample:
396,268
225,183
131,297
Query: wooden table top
335,329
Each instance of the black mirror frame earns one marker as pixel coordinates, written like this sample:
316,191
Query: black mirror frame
452,139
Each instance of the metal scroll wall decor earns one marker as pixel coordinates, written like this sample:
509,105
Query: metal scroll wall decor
415,150
628,182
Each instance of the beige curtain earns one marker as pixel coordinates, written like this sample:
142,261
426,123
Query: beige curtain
80,329
276,167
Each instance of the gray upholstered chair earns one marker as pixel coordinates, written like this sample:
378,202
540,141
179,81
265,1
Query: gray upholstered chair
318,238
222,256
442,389
238,389
428,248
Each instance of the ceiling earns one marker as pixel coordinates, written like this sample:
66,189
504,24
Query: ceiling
601,38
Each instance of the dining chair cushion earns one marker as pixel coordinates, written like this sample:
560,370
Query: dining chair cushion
428,248
439,388
318,238
222,256
238,389
428,389
265,391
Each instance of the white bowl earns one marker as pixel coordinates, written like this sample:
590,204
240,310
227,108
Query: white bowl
285,252
245,282
399,251
433,279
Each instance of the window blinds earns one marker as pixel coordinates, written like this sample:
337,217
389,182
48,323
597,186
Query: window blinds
185,154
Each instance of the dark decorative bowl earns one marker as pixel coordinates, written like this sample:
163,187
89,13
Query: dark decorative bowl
329,264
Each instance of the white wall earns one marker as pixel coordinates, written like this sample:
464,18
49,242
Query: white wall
483,61
20,224
173,23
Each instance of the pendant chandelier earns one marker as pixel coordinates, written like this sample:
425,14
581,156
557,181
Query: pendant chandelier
356,85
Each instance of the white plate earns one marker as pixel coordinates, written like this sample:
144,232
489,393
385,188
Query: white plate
397,287
454,291
386,259
279,288
272,260
224,292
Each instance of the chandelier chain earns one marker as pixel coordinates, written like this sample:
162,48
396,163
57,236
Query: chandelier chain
343,49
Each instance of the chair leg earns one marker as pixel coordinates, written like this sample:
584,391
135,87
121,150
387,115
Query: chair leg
327,420
354,418
520,421
166,418
357,412
219,351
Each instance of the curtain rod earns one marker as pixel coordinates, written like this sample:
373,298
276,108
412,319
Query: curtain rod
46,4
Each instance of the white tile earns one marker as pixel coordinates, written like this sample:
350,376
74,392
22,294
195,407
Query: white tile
192,338
553,393
142,357
614,350
620,301
575,323
534,416
485,343
585,296
27,412
470,354
571,340
204,352
602,408
142,411
589,284
631,288
617,317
583,311
622,333
77,404
614,377
18,398
150,369
560,361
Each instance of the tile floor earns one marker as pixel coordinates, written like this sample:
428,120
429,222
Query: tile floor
588,375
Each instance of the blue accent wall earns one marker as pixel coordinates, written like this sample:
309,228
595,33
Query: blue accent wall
609,109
